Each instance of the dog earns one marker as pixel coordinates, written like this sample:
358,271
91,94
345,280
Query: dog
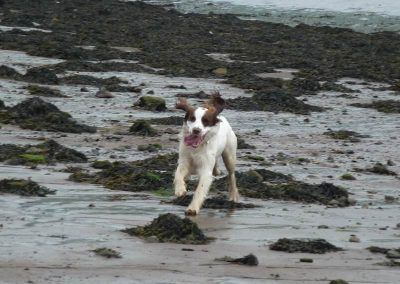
205,136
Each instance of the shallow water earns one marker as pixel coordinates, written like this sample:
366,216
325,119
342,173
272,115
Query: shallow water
362,15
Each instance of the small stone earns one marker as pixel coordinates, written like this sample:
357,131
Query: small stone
354,239
323,227
309,260
104,94
222,71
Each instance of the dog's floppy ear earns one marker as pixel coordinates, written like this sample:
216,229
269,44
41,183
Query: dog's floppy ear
216,102
183,105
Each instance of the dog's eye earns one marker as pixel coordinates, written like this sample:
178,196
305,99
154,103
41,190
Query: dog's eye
205,121
192,118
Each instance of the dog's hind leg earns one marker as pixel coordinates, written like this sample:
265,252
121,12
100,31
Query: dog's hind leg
200,194
229,157
179,182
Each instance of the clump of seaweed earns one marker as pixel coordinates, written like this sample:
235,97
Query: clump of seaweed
171,228
24,187
36,114
261,183
381,169
319,246
41,91
215,202
250,260
44,153
151,103
347,135
142,127
107,253
170,120
151,174
386,106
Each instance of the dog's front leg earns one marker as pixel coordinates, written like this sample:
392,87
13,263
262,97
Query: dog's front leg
179,182
205,180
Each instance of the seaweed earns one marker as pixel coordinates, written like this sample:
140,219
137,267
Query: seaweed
386,106
171,228
319,246
151,103
36,114
41,91
250,260
215,202
347,135
143,128
107,252
44,153
24,187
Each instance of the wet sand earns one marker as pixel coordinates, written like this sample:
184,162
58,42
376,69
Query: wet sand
49,240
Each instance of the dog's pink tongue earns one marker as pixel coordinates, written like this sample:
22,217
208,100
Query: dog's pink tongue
193,140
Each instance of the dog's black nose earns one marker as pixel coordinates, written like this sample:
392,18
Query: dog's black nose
196,131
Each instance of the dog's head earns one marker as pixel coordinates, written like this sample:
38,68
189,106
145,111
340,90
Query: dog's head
200,121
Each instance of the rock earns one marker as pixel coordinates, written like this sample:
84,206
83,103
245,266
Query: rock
41,75
354,239
171,228
103,94
347,176
101,164
309,260
221,71
2,105
323,227
142,127
393,253
151,103
23,187
36,114
319,246
250,260
84,90
242,144
9,73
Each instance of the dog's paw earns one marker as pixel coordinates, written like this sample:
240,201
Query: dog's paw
181,192
234,197
191,212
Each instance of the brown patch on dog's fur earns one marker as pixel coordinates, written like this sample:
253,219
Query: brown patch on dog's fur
183,105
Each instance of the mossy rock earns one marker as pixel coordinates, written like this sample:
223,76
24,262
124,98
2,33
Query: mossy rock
171,228
319,246
142,127
151,103
23,187
347,176
36,90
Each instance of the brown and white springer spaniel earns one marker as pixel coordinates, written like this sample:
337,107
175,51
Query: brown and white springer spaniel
205,136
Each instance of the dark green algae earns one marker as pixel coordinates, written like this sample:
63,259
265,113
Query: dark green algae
156,173
48,152
179,43
36,114
171,228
